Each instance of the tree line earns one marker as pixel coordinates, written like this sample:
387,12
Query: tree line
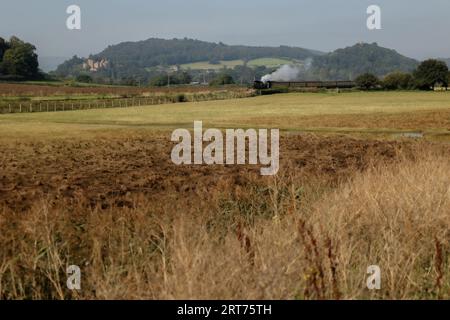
428,75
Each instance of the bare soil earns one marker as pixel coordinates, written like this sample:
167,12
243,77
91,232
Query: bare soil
111,171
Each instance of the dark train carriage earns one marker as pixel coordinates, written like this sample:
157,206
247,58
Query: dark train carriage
304,84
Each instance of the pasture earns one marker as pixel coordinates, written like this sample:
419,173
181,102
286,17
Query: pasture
363,112
266,62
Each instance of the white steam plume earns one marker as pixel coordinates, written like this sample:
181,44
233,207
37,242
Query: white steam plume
286,72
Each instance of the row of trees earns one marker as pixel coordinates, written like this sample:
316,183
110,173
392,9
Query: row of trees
222,78
18,60
428,75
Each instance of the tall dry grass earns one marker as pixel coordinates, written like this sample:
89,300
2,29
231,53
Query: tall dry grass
270,241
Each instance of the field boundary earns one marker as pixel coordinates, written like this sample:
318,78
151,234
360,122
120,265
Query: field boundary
86,104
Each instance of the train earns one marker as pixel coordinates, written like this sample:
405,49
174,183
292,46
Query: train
260,85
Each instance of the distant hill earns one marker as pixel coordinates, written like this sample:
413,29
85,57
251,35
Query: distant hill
48,64
350,62
144,60
135,58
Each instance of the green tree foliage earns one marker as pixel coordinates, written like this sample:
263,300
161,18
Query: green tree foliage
367,81
18,59
431,73
398,81
222,79
3,47
175,79
84,78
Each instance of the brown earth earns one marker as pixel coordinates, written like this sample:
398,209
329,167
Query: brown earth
112,171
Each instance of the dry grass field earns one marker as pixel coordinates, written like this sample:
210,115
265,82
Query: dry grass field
97,189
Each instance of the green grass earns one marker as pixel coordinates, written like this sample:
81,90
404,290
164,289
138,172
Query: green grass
268,62
205,65
284,111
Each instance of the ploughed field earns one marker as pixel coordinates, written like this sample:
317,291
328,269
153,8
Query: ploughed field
111,170
97,189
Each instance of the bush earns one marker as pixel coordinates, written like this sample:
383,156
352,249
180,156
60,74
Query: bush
84,78
222,79
175,79
398,81
181,97
367,81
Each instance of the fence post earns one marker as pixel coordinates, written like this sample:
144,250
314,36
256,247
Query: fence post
9,107
31,107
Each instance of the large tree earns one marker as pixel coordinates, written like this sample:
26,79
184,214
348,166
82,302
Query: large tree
431,73
3,47
19,58
367,81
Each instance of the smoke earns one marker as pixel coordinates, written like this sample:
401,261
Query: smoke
284,73
307,64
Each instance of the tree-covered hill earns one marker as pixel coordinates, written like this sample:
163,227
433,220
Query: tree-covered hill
361,58
144,61
137,58
153,52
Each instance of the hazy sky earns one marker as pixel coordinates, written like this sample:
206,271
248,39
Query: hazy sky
416,28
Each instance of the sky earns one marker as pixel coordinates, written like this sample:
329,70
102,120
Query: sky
416,28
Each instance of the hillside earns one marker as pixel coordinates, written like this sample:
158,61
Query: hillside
137,59
154,52
350,62
142,61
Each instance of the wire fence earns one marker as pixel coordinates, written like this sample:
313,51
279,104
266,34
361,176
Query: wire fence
86,104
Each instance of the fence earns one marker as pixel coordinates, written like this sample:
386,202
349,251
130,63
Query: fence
69,105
